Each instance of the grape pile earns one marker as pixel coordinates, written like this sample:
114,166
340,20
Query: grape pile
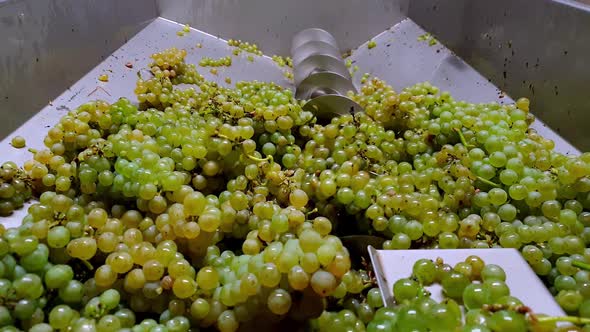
210,207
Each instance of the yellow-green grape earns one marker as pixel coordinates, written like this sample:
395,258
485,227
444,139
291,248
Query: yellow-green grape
298,278
18,142
326,253
269,276
279,301
227,321
207,278
322,225
153,270
97,218
83,248
249,284
323,283
339,265
371,44
105,276
134,280
310,240
107,242
298,198
523,104
310,262
184,287
120,262
199,308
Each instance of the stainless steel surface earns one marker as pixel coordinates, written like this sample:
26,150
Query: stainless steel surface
312,34
313,47
327,106
272,24
382,281
47,45
317,63
329,82
401,59
535,49
321,76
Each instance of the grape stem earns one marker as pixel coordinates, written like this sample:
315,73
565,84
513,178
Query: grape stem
462,138
367,285
570,319
87,264
581,265
312,211
268,158
493,184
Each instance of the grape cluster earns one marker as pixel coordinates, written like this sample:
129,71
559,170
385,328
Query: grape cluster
215,207
241,46
283,61
15,187
209,62
167,69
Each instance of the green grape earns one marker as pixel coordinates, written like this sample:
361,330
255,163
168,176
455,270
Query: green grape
58,276
374,298
496,288
569,300
441,316
493,272
425,271
279,301
409,319
454,284
506,320
72,292
475,296
405,289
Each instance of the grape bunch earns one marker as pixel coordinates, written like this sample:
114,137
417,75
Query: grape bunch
207,207
15,187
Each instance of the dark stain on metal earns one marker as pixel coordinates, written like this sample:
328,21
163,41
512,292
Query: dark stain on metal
75,94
